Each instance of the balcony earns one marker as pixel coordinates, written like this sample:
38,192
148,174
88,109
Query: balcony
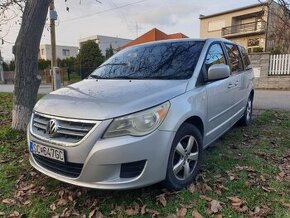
244,29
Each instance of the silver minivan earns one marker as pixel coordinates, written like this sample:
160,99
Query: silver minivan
144,116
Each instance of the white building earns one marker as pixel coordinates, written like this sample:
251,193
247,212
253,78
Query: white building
62,52
104,42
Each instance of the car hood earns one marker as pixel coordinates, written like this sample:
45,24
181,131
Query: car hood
105,99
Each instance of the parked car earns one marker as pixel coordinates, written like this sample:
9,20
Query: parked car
144,116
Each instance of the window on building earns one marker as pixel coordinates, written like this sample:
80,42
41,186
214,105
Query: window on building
42,51
216,25
235,57
253,42
215,56
65,52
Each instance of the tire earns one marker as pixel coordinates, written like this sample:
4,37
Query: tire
184,163
247,117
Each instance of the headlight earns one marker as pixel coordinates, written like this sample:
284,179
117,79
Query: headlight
138,124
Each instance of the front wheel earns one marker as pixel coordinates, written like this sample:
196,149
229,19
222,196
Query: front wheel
247,117
185,157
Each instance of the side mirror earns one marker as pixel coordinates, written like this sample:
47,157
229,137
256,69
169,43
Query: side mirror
218,71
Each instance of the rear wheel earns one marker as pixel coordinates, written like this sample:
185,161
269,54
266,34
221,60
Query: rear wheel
185,157
247,117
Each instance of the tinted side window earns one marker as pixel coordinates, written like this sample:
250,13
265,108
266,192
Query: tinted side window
246,59
215,56
235,57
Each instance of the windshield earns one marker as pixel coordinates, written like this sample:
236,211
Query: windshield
172,60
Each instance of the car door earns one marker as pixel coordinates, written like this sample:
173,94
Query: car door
219,95
238,81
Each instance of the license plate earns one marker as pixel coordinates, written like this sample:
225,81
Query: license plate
46,151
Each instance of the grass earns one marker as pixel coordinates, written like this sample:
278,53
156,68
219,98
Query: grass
244,163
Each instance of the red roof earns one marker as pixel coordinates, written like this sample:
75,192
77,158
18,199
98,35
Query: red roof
154,35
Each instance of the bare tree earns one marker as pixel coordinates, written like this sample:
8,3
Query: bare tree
27,80
278,33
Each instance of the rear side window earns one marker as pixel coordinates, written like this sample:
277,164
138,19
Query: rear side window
215,56
235,57
246,59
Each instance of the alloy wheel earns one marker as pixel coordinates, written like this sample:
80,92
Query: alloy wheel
185,157
249,110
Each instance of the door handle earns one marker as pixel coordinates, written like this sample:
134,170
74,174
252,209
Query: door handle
237,83
230,85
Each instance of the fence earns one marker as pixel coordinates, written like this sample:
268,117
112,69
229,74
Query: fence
279,65
9,76
267,73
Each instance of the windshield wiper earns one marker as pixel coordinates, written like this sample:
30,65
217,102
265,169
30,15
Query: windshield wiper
122,77
113,64
96,77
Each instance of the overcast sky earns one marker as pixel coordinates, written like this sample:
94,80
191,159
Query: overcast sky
124,18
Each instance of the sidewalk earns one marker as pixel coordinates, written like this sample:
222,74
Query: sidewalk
43,89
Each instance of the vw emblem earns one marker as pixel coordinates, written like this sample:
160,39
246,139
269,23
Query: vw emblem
52,127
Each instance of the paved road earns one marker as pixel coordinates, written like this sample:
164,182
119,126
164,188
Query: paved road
264,99
270,99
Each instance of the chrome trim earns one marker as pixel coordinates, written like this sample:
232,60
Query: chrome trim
55,142
66,119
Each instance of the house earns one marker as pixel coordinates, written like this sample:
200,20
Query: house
105,42
154,35
62,52
251,26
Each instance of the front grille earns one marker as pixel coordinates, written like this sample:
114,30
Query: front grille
67,169
132,169
68,131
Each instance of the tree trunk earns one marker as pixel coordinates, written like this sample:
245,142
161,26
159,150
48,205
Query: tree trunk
27,79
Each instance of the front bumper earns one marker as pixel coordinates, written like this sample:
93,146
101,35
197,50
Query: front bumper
102,159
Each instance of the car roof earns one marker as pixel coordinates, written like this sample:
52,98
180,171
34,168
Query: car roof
160,42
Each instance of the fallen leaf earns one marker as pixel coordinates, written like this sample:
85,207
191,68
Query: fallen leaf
66,213
261,211
196,214
143,209
153,213
52,206
181,212
204,188
235,201
132,211
61,202
286,205
9,201
215,206
238,204
205,198
27,202
266,189
26,188
92,213
14,214
192,188
160,199
99,215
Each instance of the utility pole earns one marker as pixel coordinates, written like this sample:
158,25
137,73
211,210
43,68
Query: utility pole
53,17
1,68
